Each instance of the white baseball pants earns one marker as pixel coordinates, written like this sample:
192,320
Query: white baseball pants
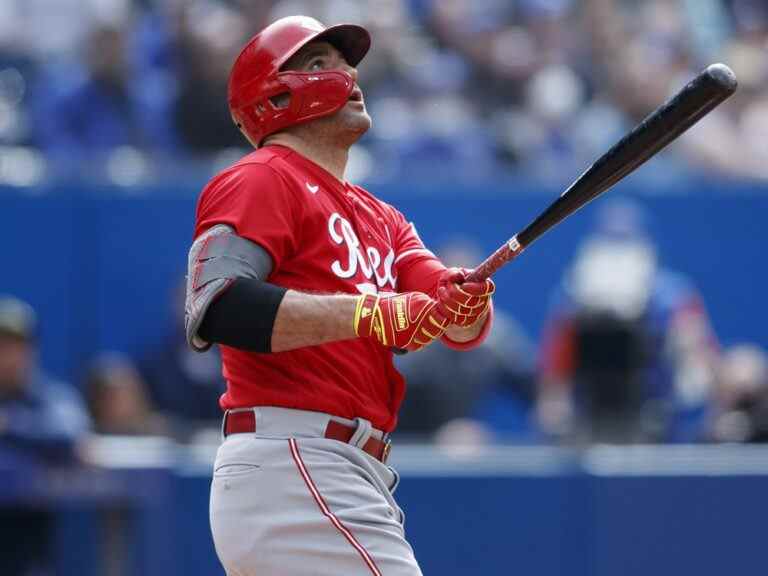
285,501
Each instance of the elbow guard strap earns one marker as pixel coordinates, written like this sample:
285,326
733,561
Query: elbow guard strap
243,317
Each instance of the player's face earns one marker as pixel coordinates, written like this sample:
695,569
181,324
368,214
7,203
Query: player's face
319,56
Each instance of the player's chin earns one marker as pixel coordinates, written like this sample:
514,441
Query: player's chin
357,121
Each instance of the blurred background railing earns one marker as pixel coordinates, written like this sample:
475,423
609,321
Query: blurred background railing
598,429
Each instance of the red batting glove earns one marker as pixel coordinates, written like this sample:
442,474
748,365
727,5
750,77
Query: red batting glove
407,321
463,302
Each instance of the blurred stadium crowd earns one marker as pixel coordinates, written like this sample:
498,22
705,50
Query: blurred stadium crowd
134,90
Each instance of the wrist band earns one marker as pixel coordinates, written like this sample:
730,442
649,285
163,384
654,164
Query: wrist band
364,313
477,340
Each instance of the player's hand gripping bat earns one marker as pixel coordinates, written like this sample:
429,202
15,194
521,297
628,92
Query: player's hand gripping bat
702,95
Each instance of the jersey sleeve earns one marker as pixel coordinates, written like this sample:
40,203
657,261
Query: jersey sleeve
417,268
260,206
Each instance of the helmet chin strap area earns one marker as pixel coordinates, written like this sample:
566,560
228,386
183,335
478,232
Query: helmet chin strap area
311,95
315,94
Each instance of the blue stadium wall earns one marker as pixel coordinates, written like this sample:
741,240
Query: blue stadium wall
557,522
100,265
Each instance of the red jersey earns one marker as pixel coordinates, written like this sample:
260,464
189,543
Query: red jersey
324,236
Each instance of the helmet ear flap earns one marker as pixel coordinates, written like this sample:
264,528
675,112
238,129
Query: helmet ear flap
242,124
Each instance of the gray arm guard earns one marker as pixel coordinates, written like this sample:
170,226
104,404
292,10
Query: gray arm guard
216,258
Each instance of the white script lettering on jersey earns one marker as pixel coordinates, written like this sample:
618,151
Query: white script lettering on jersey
370,262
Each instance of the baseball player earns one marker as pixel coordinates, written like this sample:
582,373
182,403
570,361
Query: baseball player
308,283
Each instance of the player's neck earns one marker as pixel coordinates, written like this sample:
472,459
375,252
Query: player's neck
332,159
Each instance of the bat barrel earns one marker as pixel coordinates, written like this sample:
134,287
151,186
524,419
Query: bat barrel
697,99
703,94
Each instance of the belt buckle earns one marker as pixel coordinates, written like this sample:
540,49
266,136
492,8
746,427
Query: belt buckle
387,449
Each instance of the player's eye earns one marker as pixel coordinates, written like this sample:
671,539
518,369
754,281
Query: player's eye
316,64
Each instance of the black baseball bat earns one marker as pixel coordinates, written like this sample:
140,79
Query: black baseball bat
697,99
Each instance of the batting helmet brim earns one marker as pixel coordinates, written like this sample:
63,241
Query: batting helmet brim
351,40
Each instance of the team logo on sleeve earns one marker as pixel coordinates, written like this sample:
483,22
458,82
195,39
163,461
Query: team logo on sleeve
367,260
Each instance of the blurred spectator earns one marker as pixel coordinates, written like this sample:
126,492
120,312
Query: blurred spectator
543,86
38,415
40,420
213,35
183,385
117,398
742,394
93,115
486,392
505,404
491,386
155,63
628,353
675,40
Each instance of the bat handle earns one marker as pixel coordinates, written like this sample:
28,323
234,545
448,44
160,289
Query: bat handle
506,252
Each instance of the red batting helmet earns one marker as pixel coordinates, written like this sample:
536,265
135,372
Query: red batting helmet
256,77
